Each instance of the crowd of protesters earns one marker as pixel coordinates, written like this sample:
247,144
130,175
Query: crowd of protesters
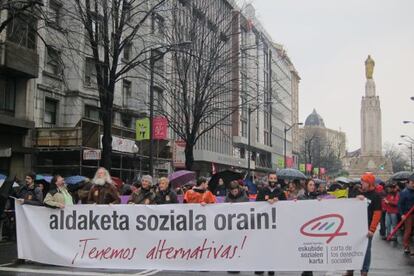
388,203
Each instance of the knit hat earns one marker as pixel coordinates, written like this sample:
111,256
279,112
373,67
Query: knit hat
147,178
370,179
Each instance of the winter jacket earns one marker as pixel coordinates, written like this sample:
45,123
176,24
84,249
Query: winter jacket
241,197
196,195
166,197
105,194
55,197
142,196
220,190
392,206
31,196
406,201
308,196
268,193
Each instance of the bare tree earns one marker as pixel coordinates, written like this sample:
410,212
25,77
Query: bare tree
321,151
197,85
399,160
17,9
116,37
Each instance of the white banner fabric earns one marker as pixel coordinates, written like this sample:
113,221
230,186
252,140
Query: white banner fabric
286,236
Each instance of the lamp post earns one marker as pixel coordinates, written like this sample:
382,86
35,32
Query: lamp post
411,155
135,150
153,59
286,129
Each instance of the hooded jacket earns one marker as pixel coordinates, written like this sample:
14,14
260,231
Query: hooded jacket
241,197
165,197
143,196
105,194
197,195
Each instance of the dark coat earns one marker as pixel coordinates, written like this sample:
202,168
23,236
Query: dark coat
105,194
142,196
241,197
267,193
308,196
220,190
406,201
166,197
31,196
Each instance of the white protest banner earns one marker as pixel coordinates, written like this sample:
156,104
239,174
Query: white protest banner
285,236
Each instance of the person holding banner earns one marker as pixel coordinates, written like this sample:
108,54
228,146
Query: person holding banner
145,194
374,216
164,195
103,191
58,196
309,193
271,193
29,193
199,193
236,193
405,203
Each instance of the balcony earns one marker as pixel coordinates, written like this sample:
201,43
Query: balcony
18,61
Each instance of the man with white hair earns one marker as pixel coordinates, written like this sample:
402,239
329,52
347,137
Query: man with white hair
145,194
103,191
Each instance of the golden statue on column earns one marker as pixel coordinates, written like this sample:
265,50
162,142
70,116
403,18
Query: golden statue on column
369,67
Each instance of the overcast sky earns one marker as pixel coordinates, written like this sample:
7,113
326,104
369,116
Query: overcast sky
328,41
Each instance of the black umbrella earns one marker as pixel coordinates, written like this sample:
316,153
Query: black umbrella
403,175
5,192
290,174
227,177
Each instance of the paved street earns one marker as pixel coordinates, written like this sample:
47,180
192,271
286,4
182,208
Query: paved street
388,260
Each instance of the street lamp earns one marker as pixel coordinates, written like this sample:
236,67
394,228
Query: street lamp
287,128
411,149
153,59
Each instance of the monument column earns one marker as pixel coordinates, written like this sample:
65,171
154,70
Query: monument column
371,132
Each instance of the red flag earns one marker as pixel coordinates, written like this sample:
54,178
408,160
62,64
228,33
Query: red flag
160,127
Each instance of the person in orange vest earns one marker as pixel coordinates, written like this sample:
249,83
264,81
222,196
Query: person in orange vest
199,193
374,216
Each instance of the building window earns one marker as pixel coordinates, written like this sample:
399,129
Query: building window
50,111
7,95
157,24
126,120
126,92
127,51
92,112
158,63
127,11
22,31
90,72
53,61
158,100
54,13
97,25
